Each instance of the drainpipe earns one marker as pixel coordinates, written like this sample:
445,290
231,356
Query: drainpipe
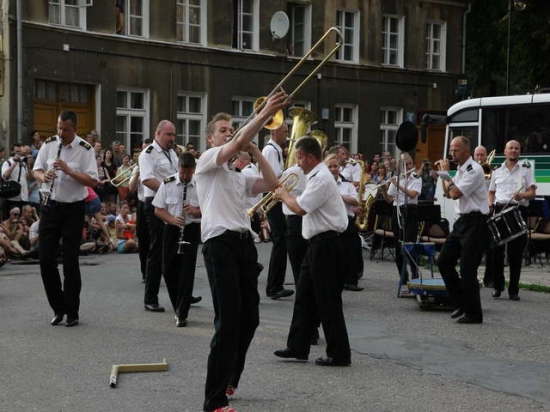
464,20
19,72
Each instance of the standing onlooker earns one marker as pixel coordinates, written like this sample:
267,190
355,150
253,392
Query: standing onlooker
177,205
111,167
65,162
157,162
104,179
16,169
124,173
319,291
470,233
229,253
36,143
273,153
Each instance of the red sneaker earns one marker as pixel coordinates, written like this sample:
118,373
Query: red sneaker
230,390
225,409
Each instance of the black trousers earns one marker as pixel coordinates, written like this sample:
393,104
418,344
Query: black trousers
277,261
296,245
319,296
516,248
142,232
351,267
409,233
179,270
230,262
61,221
466,242
154,256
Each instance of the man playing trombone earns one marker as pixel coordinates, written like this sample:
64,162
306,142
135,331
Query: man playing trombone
229,253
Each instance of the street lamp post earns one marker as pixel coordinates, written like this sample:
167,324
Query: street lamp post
519,5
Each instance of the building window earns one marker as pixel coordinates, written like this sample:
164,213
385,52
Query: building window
246,22
390,119
132,117
242,108
191,21
436,38
68,13
300,29
136,16
345,126
190,119
348,23
393,30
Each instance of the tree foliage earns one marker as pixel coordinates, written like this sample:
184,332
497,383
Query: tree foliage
487,44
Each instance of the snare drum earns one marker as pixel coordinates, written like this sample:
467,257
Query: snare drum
507,225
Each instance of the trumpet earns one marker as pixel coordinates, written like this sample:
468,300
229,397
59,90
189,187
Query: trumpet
261,103
437,165
267,202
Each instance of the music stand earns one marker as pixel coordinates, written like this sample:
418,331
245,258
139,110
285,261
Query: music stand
428,214
384,210
537,208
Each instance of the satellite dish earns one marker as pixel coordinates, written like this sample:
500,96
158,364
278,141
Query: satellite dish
279,25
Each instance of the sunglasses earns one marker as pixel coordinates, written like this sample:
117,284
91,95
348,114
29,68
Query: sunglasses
16,214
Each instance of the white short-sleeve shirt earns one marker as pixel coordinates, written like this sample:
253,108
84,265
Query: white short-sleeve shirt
156,163
470,180
170,197
412,182
506,183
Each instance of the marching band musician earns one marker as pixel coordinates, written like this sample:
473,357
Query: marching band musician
249,169
176,204
405,203
229,252
68,174
273,153
469,235
507,184
157,162
349,168
142,231
349,236
319,291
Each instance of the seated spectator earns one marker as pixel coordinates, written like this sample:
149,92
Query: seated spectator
16,230
93,210
125,227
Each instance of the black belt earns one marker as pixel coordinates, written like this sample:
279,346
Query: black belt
471,214
239,235
331,234
63,204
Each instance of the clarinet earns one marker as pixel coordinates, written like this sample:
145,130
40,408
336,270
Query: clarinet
46,193
182,242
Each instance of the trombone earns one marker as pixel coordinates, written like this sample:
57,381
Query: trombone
259,104
267,202
124,176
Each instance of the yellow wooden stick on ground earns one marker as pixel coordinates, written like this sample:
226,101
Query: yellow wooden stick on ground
139,367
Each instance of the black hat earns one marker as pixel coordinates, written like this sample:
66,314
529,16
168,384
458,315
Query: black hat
406,136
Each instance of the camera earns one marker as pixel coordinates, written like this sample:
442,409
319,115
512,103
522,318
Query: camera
23,159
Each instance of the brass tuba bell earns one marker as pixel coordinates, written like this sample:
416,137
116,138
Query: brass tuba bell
276,121
302,120
487,168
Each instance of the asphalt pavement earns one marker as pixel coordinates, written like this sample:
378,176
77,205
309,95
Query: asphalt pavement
403,358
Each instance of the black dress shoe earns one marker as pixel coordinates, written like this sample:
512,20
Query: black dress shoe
457,313
289,354
353,288
71,322
332,362
195,299
514,297
465,319
283,293
181,323
497,293
153,307
57,319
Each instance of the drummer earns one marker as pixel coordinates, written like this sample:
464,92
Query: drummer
512,183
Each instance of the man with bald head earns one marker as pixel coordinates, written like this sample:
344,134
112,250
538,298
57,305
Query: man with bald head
156,163
480,154
469,235
514,183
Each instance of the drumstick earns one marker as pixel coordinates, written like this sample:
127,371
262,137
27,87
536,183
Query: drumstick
506,205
